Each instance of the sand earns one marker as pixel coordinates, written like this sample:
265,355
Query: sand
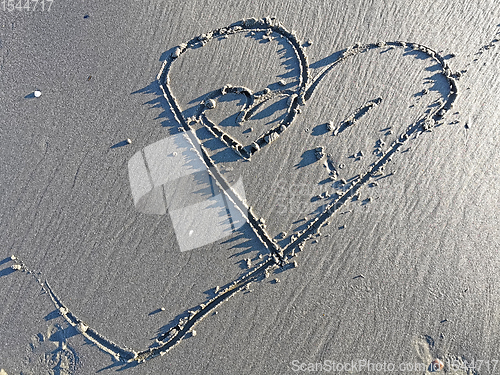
343,162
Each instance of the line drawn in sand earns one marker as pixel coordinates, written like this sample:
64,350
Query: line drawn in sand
231,197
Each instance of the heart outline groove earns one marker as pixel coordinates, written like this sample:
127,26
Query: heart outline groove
279,256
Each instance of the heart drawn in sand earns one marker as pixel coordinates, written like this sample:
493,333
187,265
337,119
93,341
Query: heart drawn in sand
200,165
295,98
279,255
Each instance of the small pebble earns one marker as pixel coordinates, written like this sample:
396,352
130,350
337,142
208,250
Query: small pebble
437,365
193,333
282,82
16,267
162,308
37,93
129,141
210,104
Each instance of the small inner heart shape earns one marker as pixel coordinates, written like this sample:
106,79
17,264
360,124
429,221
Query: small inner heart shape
253,103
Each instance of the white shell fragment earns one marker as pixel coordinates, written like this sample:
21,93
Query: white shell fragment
16,267
194,333
128,140
37,93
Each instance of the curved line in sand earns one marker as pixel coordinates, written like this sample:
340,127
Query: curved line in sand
279,256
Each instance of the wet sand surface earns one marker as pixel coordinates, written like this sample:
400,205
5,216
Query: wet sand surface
370,164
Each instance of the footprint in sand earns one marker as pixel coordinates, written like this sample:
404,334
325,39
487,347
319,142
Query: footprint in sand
50,353
438,360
